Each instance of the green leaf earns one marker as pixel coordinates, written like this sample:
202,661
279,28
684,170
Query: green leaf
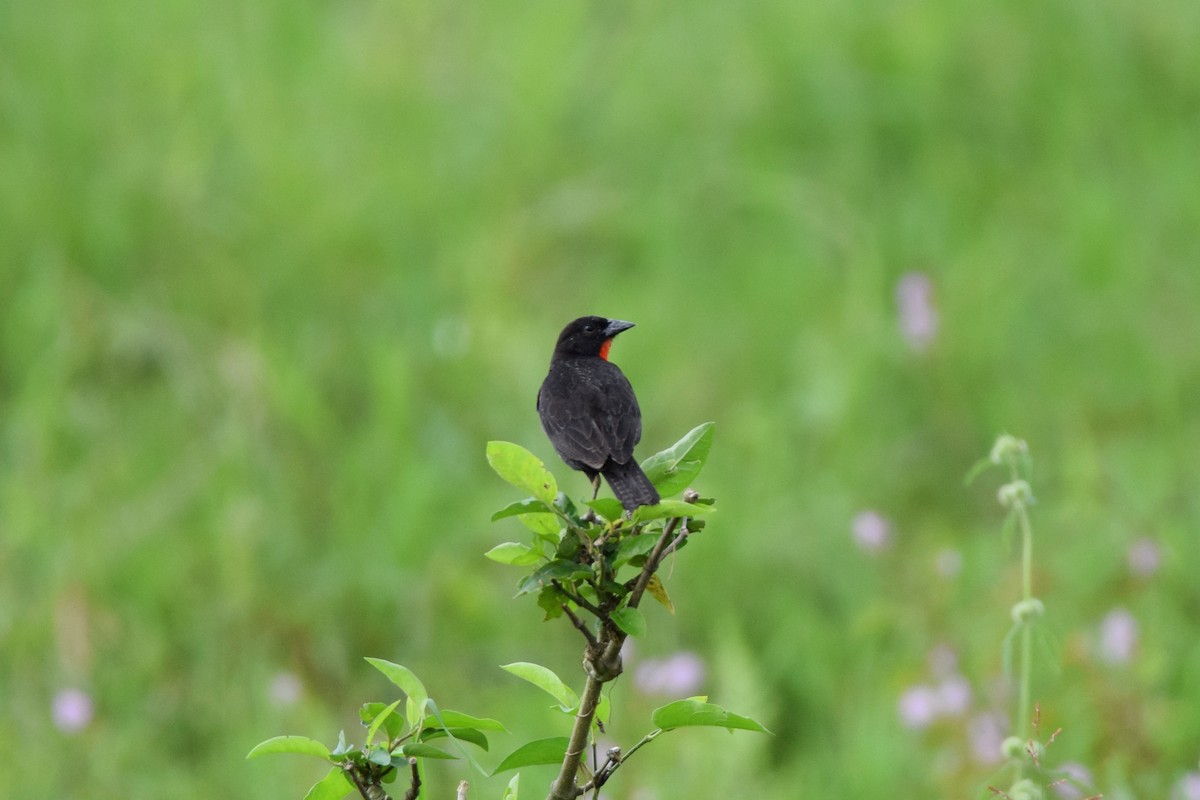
457,719
632,546
511,793
379,756
530,505
334,786
522,469
393,724
609,508
420,750
471,735
403,677
551,601
546,526
695,712
342,749
557,570
568,548
301,745
630,620
382,717
976,470
659,592
540,751
513,553
670,508
467,722
674,468
566,507
546,680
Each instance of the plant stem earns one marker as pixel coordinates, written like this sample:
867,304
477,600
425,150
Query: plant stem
1025,679
563,787
606,651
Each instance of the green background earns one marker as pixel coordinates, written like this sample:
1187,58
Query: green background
271,274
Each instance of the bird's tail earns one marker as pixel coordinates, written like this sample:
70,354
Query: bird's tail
630,484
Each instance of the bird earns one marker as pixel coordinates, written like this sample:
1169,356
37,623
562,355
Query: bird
590,413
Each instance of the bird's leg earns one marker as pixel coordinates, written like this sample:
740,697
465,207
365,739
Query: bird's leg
590,516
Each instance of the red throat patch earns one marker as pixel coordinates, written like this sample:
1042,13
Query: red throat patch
604,348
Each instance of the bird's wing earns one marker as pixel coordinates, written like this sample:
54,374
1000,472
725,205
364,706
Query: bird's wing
590,421
622,425
573,431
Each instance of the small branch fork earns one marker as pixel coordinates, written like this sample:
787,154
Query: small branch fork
415,789
602,662
581,626
369,782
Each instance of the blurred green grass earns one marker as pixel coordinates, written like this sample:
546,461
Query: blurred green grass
273,273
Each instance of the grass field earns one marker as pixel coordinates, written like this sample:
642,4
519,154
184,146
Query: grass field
273,273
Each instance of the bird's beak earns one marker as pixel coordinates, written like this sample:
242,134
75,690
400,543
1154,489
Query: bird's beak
615,326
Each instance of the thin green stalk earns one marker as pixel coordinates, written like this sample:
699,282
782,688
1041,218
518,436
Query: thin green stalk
1026,677
609,647
564,787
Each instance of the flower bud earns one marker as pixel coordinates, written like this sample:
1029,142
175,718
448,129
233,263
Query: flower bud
1007,447
1017,492
1025,789
1027,611
1013,747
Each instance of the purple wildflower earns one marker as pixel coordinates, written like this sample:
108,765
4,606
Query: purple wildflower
1118,636
871,531
72,710
954,696
918,317
1144,557
986,733
1077,775
1188,787
918,707
680,674
286,689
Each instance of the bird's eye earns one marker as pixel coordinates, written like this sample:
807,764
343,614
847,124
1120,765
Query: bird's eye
589,328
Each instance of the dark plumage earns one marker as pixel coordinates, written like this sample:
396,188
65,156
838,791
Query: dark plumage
589,411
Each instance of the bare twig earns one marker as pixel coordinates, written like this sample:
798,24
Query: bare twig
603,665
652,562
611,762
368,783
581,625
415,789
462,790
645,740
617,759
683,534
576,598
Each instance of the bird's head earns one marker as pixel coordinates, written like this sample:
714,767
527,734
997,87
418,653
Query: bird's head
590,336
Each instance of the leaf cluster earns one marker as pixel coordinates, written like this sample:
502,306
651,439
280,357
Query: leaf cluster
591,563
589,560
395,741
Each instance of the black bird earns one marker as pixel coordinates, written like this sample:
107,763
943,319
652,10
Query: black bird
590,413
